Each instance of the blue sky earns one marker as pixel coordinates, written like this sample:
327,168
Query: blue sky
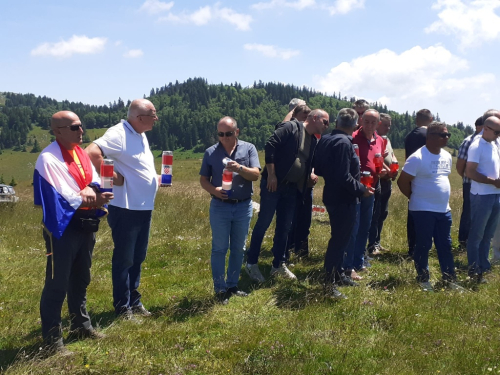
437,54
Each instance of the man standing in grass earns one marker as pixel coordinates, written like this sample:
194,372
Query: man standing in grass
424,181
483,168
336,160
135,187
381,204
289,153
463,230
414,140
229,215
65,186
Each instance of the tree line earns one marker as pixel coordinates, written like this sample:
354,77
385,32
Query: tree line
188,113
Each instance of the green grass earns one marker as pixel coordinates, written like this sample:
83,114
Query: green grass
386,326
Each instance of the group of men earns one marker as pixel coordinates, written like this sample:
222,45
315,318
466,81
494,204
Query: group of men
66,185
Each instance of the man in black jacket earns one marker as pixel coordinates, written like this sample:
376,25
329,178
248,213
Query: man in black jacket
288,155
336,161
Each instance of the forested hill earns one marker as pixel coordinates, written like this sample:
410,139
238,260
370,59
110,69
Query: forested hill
189,112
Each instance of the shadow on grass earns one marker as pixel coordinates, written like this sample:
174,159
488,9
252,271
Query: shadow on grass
394,258
185,309
388,283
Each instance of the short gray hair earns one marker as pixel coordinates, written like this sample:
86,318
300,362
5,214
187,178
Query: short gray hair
371,110
347,118
491,112
385,116
361,103
294,103
225,118
435,126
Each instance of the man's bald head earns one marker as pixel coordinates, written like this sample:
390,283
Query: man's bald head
138,107
493,122
62,118
142,115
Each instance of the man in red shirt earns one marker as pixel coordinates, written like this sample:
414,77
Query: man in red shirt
369,144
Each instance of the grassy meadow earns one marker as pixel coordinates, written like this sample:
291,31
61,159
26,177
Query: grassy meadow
386,326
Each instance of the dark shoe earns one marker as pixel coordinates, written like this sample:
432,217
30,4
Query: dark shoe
55,347
127,314
480,279
332,292
223,297
140,310
81,333
346,281
236,292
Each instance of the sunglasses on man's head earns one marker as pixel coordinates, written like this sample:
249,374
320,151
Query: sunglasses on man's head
73,128
443,135
497,132
227,134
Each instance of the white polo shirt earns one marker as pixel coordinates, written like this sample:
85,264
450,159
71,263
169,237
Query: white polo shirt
135,162
485,154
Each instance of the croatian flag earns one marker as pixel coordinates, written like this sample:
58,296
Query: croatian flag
56,189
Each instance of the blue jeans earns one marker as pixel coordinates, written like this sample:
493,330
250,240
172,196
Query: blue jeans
429,225
354,256
282,201
463,230
130,232
485,211
229,223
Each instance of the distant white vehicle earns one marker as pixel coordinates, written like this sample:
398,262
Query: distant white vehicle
8,194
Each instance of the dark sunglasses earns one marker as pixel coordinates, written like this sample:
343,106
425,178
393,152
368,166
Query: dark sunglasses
227,134
153,116
443,135
73,128
497,132
325,122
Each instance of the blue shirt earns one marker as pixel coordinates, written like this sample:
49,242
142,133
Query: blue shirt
245,154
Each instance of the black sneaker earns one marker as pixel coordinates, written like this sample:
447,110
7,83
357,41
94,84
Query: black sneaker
55,347
332,292
236,292
346,281
222,297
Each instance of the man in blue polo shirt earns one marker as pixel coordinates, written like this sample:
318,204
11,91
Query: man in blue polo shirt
229,216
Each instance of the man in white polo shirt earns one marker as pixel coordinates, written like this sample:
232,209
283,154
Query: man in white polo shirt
424,180
135,187
483,168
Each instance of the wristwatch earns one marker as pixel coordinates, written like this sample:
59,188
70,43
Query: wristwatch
241,167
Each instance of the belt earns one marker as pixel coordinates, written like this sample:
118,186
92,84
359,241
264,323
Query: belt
231,201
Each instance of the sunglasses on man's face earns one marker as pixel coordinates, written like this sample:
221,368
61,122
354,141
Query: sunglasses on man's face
325,122
227,134
497,132
73,128
443,135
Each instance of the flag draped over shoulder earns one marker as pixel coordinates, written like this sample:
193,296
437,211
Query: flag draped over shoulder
56,185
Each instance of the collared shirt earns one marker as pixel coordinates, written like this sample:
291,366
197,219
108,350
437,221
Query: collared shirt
367,151
462,154
134,161
244,153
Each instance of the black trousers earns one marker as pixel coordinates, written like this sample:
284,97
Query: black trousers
410,234
465,219
71,260
342,218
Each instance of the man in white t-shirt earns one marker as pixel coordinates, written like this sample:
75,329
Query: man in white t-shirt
483,168
135,186
424,180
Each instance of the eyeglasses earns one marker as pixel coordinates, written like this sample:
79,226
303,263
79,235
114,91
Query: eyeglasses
153,116
444,135
73,128
325,122
227,134
497,132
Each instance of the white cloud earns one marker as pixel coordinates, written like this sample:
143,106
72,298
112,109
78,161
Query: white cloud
472,22
433,78
345,6
133,53
156,6
335,7
272,51
118,43
75,45
299,4
209,13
